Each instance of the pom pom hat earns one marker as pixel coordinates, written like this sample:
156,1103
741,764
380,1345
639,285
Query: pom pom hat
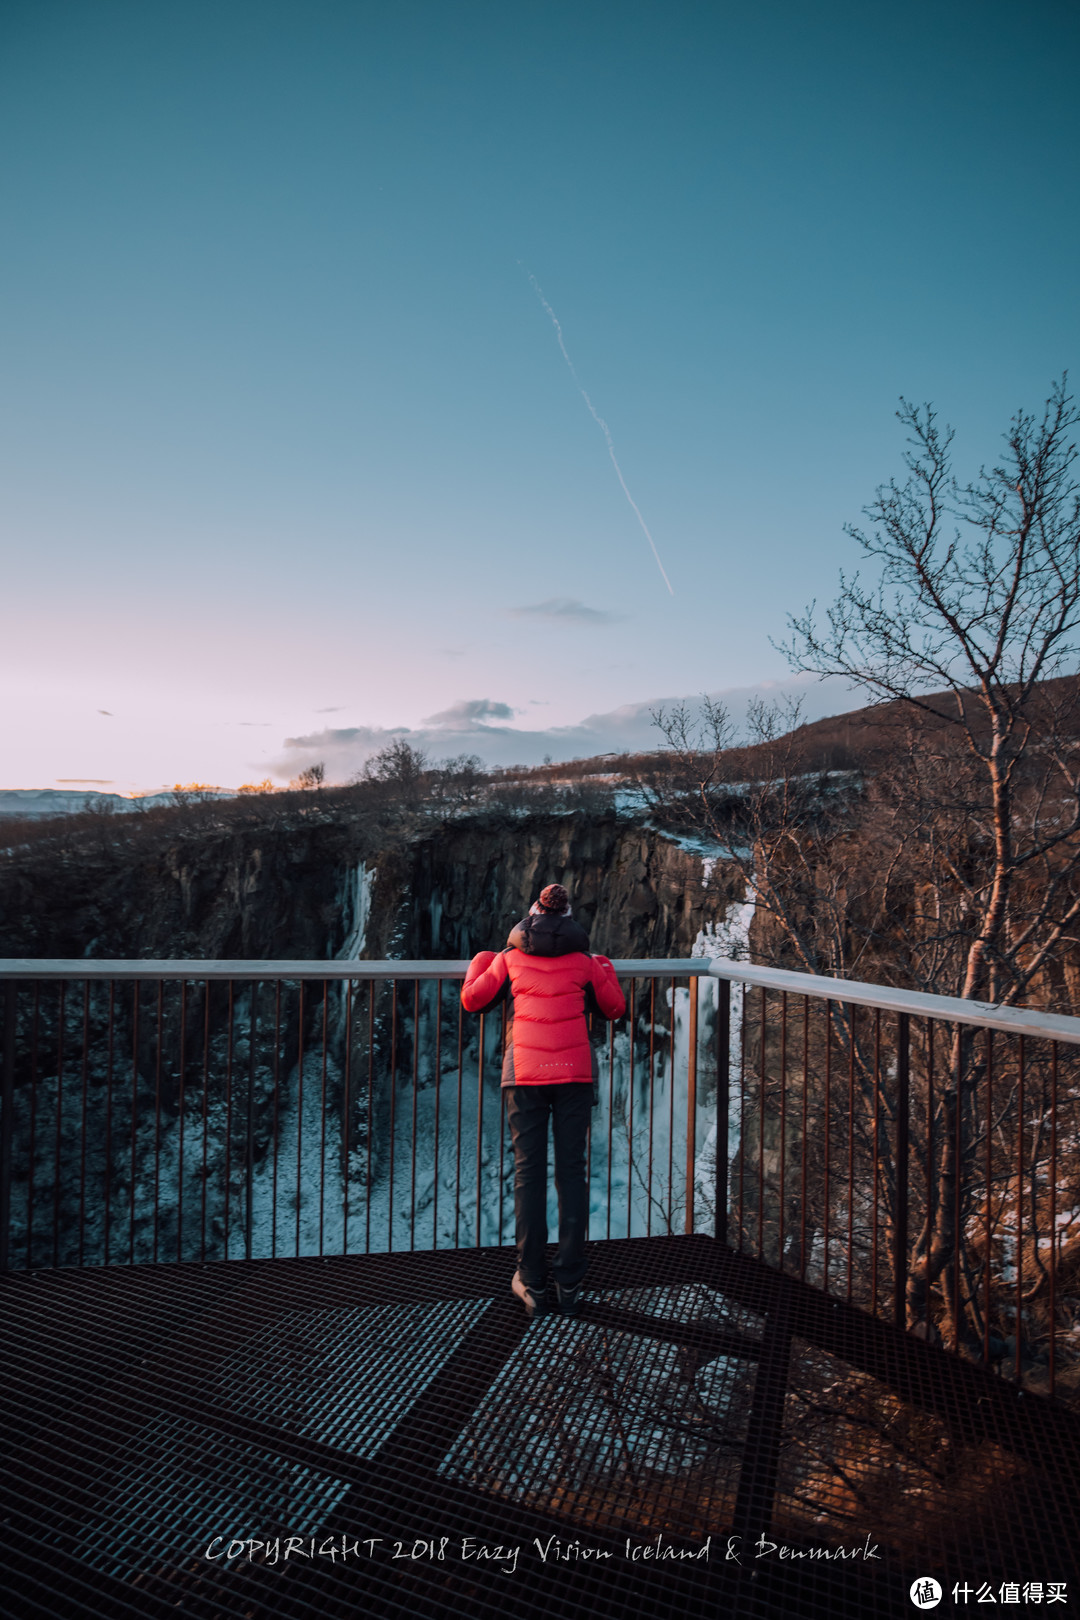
554,899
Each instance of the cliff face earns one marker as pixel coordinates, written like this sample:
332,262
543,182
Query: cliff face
460,890
326,890
273,893
224,1090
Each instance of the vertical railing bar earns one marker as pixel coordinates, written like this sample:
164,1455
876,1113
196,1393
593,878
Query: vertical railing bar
274,1123
181,1100
652,1102
958,1165
134,1115
322,1112
230,1010
346,1116
850,1014
877,1164
253,1043
588,1163
742,1115
83,1132
828,1144
903,1129
393,1111
110,1055
7,1123
610,1118
805,1132
205,1112
783,1125
1019,1322
591,1025
438,1104
630,1114
157,1111
9,1048
479,1122
502,1115
988,1229
762,1092
1053,1210
61,1017
691,1102
415,1094
300,1057
671,1111
931,1184
457,1146
502,1135
370,1112
723,1108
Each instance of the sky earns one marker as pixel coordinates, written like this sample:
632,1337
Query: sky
291,456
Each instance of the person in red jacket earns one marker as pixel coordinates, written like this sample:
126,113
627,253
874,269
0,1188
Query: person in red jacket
548,1072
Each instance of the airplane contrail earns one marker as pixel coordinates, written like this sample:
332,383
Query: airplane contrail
602,425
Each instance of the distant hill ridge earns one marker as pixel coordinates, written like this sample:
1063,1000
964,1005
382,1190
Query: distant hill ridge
34,803
849,741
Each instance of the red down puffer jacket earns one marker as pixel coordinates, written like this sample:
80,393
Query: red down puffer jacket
547,1038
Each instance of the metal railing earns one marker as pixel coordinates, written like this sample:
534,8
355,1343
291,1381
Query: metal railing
216,1110
916,1155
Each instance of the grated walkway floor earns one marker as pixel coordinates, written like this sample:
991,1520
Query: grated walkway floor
398,1419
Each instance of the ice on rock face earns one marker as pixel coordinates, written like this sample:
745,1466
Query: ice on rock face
730,937
358,903
436,910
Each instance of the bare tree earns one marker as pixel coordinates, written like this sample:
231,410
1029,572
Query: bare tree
312,777
401,768
972,629
977,607
777,818
951,863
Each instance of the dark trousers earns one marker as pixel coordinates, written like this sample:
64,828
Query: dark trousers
528,1108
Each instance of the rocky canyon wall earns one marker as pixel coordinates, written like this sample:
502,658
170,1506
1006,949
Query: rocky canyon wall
294,892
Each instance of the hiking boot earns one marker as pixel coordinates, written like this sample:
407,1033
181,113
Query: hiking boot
569,1298
533,1299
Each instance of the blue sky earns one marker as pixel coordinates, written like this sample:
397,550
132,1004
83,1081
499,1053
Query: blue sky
289,447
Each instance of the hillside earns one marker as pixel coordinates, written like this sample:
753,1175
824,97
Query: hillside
856,740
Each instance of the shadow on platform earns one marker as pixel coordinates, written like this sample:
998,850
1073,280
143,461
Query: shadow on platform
705,1437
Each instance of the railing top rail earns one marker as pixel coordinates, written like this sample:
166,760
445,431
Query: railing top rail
949,1009
174,968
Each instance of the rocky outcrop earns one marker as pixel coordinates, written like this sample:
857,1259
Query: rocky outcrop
291,892
264,893
635,891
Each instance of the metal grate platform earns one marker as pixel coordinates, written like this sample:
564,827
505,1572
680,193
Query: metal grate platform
397,1417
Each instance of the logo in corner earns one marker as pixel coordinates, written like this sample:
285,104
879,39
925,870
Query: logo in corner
925,1592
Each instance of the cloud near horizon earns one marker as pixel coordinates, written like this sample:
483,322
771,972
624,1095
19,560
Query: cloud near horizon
465,728
469,712
566,610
